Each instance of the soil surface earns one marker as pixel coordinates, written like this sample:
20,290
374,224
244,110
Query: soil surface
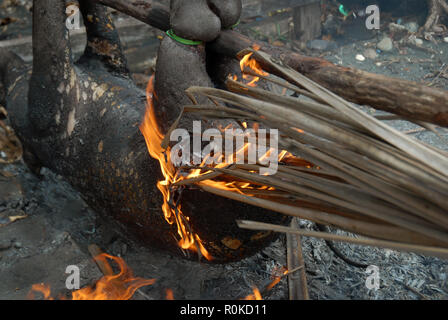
59,226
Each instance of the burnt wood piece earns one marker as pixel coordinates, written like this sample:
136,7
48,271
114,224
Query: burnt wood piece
406,98
82,121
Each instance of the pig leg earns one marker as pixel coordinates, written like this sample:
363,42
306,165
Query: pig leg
103,41
53,81
219,67
229,11
179,65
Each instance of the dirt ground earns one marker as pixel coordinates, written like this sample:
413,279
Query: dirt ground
59,226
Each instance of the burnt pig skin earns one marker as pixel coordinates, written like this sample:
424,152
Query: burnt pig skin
81,119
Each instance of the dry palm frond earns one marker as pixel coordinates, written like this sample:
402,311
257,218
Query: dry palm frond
350,170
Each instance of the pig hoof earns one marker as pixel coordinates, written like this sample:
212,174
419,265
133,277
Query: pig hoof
194,20
228,11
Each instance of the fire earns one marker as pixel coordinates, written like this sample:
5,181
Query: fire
255,296
154,137
241,187
173,214
248,62
237,186
169,294
256,47
276,279
121,286
43,289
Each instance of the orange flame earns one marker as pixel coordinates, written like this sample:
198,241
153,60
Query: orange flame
248,62
255,296
169,294
277,275
276,279
241,187
121,286
154,137
44,289
256,47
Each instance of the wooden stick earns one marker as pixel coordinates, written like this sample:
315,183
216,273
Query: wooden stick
371,208
351,225
101,262
149,12
298,288
431,251
393,136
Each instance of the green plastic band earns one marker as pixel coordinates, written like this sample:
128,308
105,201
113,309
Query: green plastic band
235,25
187,42
342,10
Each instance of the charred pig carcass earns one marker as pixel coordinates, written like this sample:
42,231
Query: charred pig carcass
82,120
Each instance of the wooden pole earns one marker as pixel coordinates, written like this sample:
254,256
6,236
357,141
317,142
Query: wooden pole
298,288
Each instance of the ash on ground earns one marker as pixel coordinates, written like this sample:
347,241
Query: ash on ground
59,226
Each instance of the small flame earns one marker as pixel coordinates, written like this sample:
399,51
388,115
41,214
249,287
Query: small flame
278,274
256,47
42,288
276,279
255,296
121,286
169,294
154,137
248,62
240,187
